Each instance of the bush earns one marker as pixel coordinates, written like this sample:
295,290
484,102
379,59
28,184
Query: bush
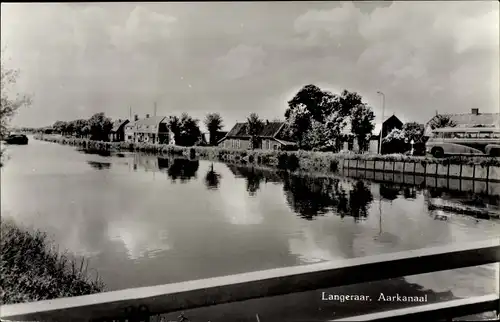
32,270
290,160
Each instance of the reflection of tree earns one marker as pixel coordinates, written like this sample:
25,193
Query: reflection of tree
183,169
359,198
102,153
389,191
212,179
310,197
163,163
253,177
410,193
99,165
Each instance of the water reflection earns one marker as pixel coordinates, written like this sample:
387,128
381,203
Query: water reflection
134,238
310,197
389,191
99,165
102,153
212,179
360,198
183,169
252,176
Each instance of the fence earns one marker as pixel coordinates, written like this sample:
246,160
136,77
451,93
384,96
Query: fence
488,173
213,291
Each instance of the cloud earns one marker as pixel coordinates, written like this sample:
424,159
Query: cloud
142,27
442,53
240,61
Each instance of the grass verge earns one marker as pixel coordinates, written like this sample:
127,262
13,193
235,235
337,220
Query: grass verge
32,269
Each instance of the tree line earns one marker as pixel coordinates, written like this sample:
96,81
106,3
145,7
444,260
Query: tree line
315,120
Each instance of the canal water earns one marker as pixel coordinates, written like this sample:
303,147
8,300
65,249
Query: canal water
147,220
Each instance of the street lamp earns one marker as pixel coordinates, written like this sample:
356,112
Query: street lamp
382,127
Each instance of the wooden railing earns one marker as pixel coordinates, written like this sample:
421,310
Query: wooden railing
213,291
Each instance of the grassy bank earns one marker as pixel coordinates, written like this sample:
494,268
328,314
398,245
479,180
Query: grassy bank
32,269
292,160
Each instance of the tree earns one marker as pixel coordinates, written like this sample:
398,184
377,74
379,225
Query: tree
347,102
81,127
325,136
213,122
317,102
254,127
59,126
413,131
298,123
10,102
440,121
100,127
395,142
362,125
310,103
190,133
174,124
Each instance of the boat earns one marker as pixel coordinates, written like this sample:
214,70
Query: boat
20,139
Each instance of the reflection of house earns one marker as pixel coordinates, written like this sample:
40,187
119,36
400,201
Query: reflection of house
472,119
271,137
150,129
392,122
118,131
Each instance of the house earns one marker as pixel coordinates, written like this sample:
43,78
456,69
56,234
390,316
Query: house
351,142
218,136
149,129
271,137
472,119
390,123
117,133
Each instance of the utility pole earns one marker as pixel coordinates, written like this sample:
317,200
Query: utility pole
382,127
155,110
130,113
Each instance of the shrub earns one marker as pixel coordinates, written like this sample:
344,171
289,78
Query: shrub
32,270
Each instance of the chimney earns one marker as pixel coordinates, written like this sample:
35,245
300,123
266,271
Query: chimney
136,117
147,116
475,111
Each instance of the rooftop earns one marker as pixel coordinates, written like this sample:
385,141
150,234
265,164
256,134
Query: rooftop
117,124
270,129
152,120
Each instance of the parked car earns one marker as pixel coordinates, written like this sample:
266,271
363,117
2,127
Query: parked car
16,139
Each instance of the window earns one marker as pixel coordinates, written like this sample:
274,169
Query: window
239,144
496,135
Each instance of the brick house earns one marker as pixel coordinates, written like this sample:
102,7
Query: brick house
149,129
117,133
271,137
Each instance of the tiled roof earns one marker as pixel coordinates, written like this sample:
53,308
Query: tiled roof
471,120
152,120
117,124
270,129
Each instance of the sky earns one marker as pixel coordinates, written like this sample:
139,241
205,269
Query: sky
234,58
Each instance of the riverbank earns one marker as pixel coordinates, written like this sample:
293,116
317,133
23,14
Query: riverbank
33,270
474,168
